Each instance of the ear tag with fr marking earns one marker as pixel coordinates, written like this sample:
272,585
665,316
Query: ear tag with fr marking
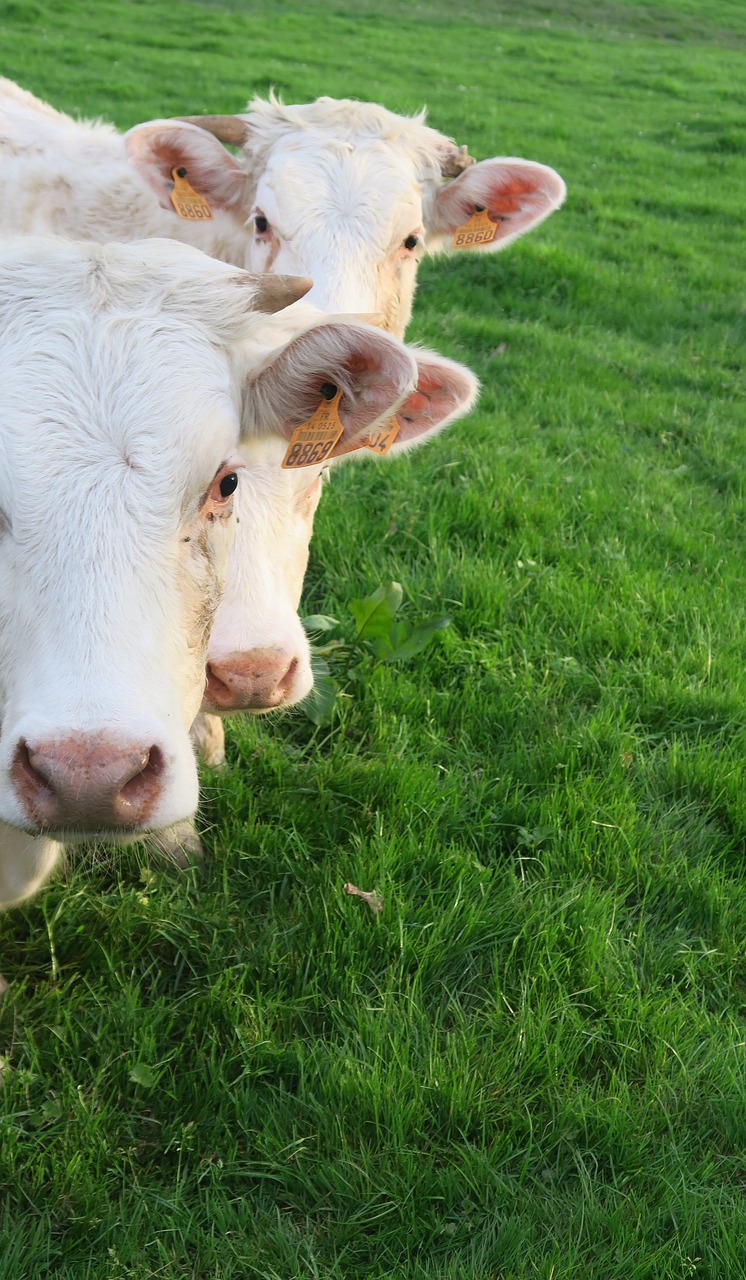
480,229
187,202
381,438
313,441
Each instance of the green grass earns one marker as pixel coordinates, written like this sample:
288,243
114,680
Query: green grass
532,1063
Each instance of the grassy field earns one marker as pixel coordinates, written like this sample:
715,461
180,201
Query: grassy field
532,1063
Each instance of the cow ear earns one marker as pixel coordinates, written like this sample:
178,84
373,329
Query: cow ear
373,371
515,196
445,391
157,148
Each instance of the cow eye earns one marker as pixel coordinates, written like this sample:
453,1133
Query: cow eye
410,242
223,486
260,222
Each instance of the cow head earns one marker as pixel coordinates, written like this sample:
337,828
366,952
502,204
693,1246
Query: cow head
120,423
259,656
354,196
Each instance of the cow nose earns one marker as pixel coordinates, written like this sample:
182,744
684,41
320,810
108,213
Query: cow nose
91,783
254,681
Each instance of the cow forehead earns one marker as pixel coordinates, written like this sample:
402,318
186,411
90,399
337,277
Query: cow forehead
329,122
370,192
141,402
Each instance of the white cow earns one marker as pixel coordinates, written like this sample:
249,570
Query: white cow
83,179
347,192
129,376
354,196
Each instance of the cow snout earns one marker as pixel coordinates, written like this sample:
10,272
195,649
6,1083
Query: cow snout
255,681
95,784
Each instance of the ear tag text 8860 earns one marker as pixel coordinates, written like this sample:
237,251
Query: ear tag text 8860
479,230
187,202
312,442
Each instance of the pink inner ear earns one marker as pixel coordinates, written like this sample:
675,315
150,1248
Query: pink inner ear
439,393
375,372
155,149
508,196
445,390
518,194
416,405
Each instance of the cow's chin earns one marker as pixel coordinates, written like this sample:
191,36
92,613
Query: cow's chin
212,709
104,835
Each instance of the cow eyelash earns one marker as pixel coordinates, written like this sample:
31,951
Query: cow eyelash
223,486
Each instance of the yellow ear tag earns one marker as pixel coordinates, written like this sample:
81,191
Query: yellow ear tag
381,438
187,202
480,229
313,441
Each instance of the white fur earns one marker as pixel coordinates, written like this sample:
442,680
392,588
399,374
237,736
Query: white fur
344,183
123,374
73,178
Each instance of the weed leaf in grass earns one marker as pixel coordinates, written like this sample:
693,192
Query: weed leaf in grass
378,632
144,1075
390,640
407,639
375,615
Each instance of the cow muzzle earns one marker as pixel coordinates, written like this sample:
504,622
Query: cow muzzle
258,680
88,784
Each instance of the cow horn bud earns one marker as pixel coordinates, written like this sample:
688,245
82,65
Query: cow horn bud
273,293
455,161
231,129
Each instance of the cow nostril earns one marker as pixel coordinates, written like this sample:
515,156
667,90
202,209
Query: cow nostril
285,684
253,680
144,782
216,688
26,772
88,781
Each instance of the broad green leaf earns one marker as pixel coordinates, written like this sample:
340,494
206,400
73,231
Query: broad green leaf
406,640
320,702
384,646
375,615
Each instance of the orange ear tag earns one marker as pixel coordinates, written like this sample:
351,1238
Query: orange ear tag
479,230
187,202
381,438
313,441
